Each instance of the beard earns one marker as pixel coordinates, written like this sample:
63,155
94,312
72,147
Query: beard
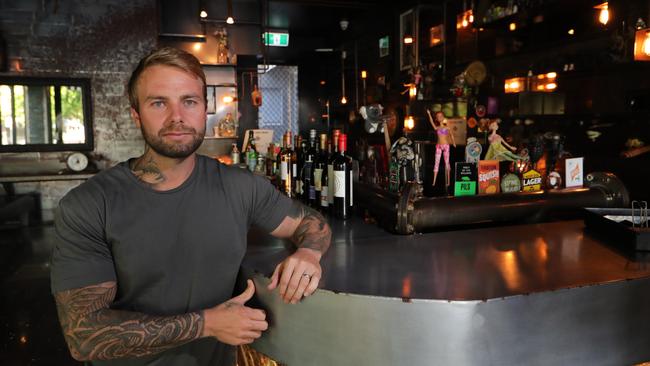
175,150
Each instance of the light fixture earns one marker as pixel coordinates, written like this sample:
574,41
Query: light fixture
230,19
514,85
512,27
642,45
408,40
322,82
197,46
571,31
203,14
603,16
228,99
344,100
544,82
364,74
409,122
413,91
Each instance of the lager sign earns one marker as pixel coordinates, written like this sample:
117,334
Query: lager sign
532,181
465,182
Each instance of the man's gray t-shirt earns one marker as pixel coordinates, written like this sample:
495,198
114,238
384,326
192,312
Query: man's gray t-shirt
170,252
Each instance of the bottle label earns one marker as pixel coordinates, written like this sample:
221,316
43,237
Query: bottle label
318,175
312,193
298,186
284,170
330,179
323,197
351,192
339,183
294,170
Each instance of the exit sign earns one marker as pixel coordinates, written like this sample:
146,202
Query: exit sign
276,39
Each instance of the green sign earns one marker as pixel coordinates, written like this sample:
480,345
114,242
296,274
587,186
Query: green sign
465,182
274,39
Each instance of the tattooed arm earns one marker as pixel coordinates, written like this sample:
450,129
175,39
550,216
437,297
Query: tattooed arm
299,274
93,331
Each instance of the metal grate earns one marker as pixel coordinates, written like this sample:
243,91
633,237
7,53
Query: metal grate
279,109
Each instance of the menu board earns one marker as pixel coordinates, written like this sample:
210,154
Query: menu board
488,177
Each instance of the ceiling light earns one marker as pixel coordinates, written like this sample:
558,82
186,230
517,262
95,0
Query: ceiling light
230,20
203,14
571,31
512,27
408,40
603,16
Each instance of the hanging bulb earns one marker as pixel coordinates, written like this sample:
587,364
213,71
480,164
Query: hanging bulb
344,100
465,23
409,122
413,90
603,16
203,14
230,20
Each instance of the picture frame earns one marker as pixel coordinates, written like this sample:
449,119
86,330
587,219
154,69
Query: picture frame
408,27
436,35
384,46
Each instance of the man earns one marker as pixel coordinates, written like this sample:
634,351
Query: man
147,252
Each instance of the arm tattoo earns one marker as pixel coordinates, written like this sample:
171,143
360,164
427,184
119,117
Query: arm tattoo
147,171
93,331
313,232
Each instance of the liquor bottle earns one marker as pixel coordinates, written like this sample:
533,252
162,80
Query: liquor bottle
251,152
297,166
320,170
234,154
307,173
285,157
342,184
271,166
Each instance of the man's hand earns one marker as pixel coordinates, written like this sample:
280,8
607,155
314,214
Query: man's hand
298,275
234,323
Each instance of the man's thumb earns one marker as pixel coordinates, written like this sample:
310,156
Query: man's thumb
246,295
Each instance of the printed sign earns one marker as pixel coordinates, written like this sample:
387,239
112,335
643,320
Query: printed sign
532,181
465,179
510,183
554,180
574,172
488,177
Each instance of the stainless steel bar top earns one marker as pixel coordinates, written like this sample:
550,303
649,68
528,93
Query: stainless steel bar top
472,264
541,294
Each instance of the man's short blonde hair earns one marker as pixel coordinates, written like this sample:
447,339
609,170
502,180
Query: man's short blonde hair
167,56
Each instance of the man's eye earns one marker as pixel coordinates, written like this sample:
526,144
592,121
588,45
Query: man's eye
190,102
157,104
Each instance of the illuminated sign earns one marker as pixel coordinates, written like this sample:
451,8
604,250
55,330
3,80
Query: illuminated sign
274,39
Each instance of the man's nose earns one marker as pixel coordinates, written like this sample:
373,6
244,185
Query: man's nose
176,114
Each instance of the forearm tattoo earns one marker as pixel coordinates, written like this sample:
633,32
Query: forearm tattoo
313,232
95,332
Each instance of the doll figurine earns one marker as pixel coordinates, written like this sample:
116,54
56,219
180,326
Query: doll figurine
442,145
498,149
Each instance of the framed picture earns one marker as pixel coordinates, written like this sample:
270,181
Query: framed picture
384,46
211,100
436,35
408,28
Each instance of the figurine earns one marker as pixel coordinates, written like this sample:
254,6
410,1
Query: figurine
442,145
226,127
498,149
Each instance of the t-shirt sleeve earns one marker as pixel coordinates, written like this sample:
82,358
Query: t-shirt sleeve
81,256
269,206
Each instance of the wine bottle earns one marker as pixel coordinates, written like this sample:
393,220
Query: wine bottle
320,166
297,166
251,152
286,157
342,184
330,165
310,154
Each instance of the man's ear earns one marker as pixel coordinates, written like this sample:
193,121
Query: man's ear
135,116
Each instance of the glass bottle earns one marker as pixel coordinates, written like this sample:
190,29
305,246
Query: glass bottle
342,188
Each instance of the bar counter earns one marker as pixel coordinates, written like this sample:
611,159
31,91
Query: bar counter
534,294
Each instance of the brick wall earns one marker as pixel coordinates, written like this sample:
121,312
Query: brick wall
81,38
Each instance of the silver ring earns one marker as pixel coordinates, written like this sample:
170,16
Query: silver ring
306,275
